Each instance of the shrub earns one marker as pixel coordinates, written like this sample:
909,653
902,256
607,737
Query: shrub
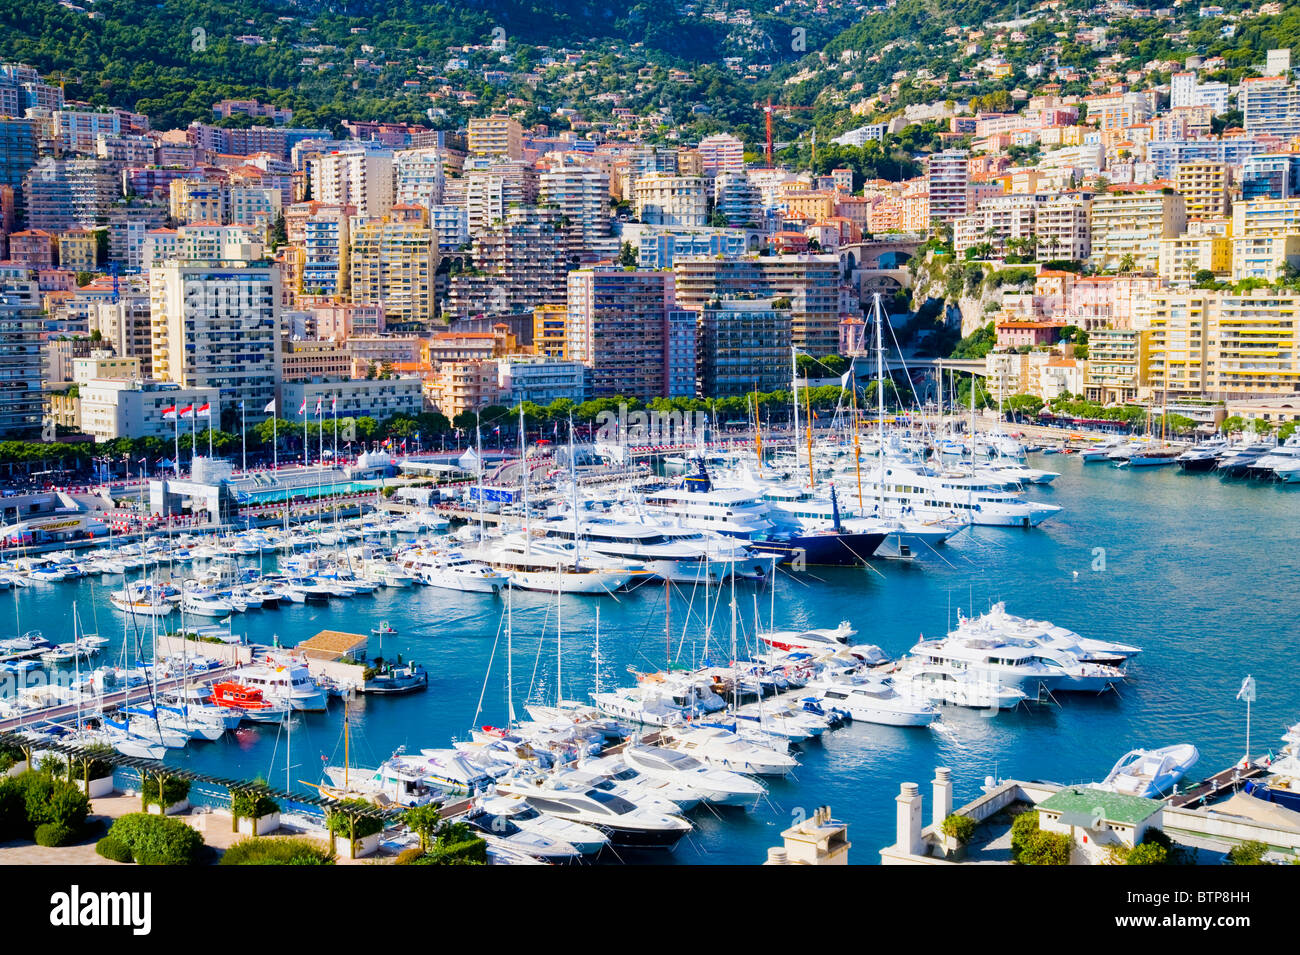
54,834
1022,829
409,856
113,850
1248,853
251,804
174,790
263,851
1148,853
9,755
52,800
472,851
1047,848
157,840
958,827
13,810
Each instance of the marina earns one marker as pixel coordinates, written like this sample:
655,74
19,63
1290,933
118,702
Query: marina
1087,573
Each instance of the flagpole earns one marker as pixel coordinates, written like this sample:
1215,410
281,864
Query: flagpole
209,430
176,421
275,439
334,410
305,445
320,428
243,439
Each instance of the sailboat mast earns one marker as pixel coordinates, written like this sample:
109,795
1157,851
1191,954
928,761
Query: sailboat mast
523,464
758,431
857,453
807,397
880,400
510,662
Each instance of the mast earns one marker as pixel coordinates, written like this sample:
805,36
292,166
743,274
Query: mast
807,397
523,464
880,402
758,431
597,648
857,454
478,445
510,664
794,392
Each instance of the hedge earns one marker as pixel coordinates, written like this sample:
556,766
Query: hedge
13,810
113,850
470,852
263,851
52,834
157,840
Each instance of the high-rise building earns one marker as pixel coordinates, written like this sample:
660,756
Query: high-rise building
671,200
1271,176
519,265
617,327
744,345
811,283
62,194
325,247
722,152
394,261
1204,188
496,136
22,368
358,177
737,200
581,192
128,223
217,325
948,176
550,335
419,176
1270,105
1131,221
18,147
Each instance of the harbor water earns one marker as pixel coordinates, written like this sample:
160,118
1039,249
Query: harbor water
1203,574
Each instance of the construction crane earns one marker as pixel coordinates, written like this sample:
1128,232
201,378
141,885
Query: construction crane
768,109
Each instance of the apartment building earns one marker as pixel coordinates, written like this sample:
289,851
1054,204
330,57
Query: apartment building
362,178
394,262
1131,221
616,326
662,199
948,180
22,395
496,136
743,346
217,325
1204,188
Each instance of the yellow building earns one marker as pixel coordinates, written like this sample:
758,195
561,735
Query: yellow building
1175,341
550,324
1184,255
395,263
1204,188
496,136
78,250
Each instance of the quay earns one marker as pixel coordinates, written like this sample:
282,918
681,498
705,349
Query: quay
116,698
1218,785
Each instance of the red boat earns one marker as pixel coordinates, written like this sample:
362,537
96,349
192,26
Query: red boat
240,697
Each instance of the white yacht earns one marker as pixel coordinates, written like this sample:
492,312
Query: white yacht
588,840
992,660
874,700
936,683
720,749
452,570
285,682
1150,772
717,786
624,822
536,565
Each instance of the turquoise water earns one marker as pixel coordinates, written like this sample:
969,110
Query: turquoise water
310,491
1203,574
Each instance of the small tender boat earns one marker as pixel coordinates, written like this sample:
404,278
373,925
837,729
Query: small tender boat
1150,772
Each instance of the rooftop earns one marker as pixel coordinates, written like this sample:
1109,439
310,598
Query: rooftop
1112,807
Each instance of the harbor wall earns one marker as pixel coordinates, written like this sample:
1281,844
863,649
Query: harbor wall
170,645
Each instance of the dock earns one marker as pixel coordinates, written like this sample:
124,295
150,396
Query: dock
1220,784
116,698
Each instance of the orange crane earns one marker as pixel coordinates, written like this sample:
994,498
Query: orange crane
768,109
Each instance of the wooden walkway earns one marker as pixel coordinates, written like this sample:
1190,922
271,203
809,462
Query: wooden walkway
1220,784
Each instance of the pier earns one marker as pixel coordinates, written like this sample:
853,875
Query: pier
132,694
1217,786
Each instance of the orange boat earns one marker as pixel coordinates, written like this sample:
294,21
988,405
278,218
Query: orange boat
237,696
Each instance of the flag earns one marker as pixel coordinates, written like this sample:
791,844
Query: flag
270,407
169,414
556,430
241,404
403,445
1247,691
844,379
203,411
334,403
303,409
497,429
227,620
186,412
318,403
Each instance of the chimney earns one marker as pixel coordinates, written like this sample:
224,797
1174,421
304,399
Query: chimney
942,795
777,856
909,801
